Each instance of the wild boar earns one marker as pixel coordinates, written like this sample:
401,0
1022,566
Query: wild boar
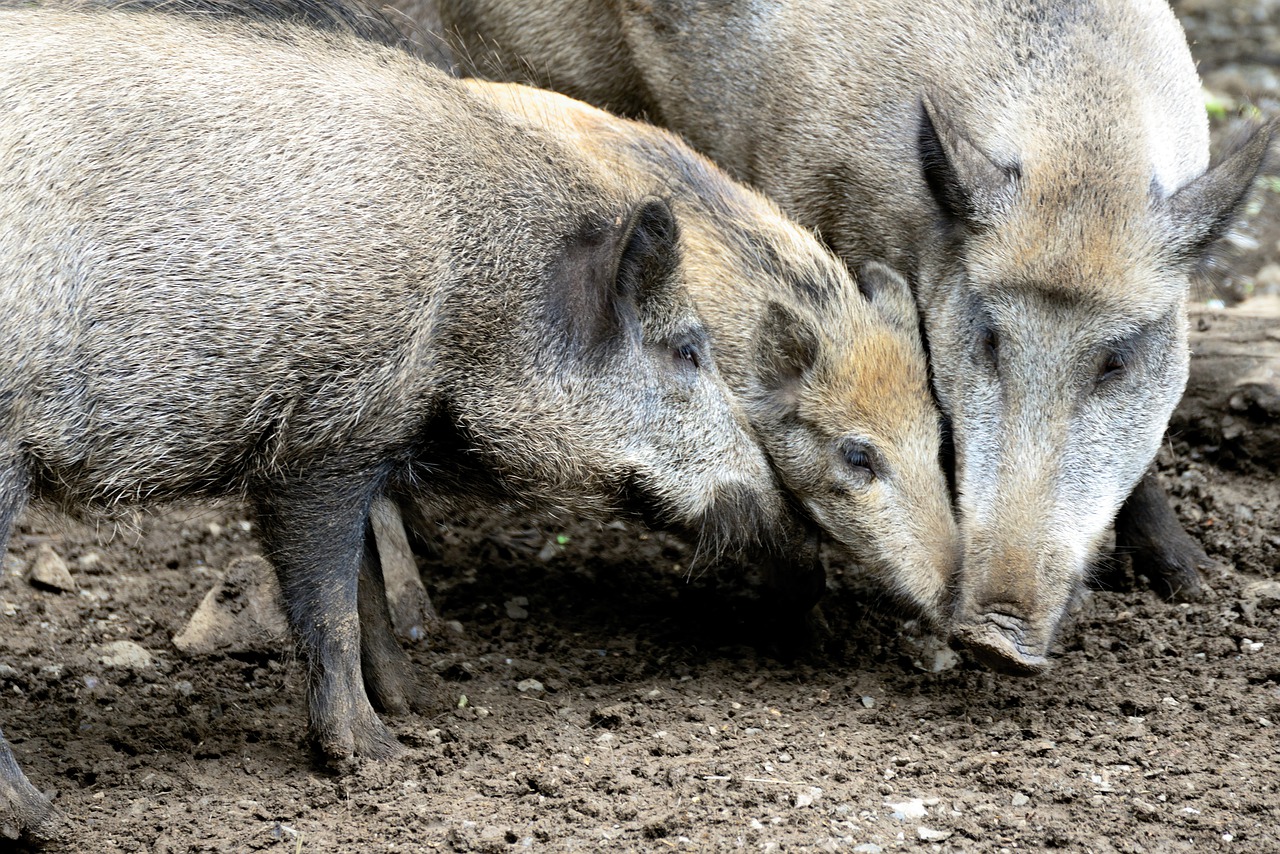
273,260
1039,170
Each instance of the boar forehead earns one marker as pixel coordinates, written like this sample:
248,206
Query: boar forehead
873,387
1100,254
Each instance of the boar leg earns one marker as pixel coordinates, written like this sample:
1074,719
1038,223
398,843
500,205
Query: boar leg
388,672
24,812
1148,531
314,531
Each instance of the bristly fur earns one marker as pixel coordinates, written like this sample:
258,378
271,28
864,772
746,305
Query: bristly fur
255,254
818,361
345,16
1024,279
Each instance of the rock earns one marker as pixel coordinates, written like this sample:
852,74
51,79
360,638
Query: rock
516,608
50,572
241,614
908,810
1268,279
530,686
1144,809
1020,800
125,654
1263,594
867,848
928,834
808,798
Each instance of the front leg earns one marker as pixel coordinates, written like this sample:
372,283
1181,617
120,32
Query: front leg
314,533
25,814
1148,531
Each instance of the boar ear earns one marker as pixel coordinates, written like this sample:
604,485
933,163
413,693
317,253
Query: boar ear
889,293
786,350
614,272
648,256
1201,211
967,185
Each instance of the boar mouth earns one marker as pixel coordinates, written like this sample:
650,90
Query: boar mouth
999,642
734,520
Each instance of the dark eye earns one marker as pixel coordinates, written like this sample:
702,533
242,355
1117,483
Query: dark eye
689,353
858,457
989,346
1111,366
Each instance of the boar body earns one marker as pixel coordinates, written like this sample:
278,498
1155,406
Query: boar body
278,262
1041,172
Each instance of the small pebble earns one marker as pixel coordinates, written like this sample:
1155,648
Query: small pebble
1143,808
908,810
868,702
49,571
1020,800
530,686
867,848
125,654
807,799
928,834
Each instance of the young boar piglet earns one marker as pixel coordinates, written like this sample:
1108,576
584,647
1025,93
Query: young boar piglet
277,262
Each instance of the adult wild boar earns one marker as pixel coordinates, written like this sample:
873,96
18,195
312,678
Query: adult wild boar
1041,171
276,261
830,369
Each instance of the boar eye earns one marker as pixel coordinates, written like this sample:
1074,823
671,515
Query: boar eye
1111,366
689,353
989,346
858,457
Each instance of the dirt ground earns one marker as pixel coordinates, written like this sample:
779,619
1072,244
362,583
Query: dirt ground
609,698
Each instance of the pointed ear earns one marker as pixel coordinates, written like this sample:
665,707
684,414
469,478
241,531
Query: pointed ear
649,253
965,182
889,293
612,272
1202,211
786,350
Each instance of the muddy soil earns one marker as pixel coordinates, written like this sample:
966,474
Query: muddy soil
610,693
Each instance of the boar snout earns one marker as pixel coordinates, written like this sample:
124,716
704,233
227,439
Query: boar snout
1003,642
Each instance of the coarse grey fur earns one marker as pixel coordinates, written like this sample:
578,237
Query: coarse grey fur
1039,169
831,369
277,261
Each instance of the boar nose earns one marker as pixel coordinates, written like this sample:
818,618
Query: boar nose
997,619
1000,642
